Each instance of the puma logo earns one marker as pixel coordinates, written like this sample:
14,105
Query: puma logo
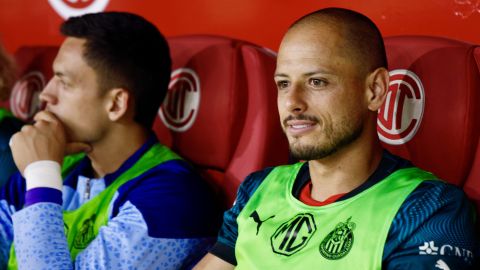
442,265
257,219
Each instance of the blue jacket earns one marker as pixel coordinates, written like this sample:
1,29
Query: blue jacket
164,219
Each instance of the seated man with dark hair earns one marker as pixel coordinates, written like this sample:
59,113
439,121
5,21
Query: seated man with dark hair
127,202
9,125
351,204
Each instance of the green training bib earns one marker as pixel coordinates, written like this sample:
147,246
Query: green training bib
82,225
277,231
4,113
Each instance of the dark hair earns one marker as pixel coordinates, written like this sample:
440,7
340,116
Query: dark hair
126,51
362,36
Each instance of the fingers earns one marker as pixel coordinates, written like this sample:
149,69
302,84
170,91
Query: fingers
47,122
27,129
41,127
45,116
14,140
35,143
44,140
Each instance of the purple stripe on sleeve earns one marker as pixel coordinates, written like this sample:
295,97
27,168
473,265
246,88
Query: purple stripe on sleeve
43,194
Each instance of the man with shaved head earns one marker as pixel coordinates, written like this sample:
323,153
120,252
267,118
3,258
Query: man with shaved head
350,204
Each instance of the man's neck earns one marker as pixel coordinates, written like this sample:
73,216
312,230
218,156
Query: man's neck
115,148
344,170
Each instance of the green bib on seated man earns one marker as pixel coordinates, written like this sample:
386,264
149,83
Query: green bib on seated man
348,234
82,225
4,113
9,125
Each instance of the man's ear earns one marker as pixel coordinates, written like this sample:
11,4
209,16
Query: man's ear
117,103
377,88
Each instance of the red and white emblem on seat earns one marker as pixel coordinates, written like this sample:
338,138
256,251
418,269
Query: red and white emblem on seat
401,115
24,99
181,104
70,8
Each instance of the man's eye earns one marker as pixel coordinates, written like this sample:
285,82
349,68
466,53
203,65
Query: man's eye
63,84
317,82
282,84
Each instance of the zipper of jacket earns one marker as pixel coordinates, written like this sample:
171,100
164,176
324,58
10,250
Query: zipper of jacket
86,196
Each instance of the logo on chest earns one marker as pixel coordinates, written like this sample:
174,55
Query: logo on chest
257,219
86,233
293,235
338,242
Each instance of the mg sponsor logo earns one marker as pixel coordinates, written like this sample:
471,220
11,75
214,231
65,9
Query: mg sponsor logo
70,8
401,115
180,107
293,235
24,100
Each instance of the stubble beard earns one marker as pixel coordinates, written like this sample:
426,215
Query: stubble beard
336,139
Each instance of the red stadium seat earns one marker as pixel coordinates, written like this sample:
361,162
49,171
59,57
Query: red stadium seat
472,185
432,113
35,69
220,112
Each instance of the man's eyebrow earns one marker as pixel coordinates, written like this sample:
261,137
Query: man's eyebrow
325,72
320,71
58,74
61,74
280,75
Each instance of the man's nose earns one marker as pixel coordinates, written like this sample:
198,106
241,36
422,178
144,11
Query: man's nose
48,94
295,100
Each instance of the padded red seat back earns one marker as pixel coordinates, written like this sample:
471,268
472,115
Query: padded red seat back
472,185
220,112
432,113
35,70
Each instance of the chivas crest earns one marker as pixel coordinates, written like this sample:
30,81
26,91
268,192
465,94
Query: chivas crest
337,243
86,234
